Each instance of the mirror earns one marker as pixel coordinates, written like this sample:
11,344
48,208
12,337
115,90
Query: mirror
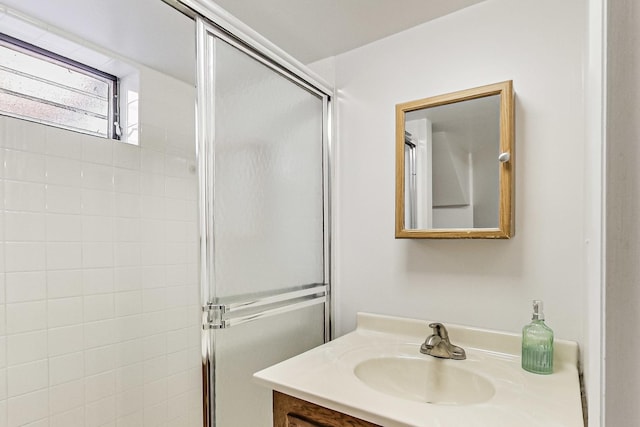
455,165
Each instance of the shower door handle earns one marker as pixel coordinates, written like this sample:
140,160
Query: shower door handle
220,315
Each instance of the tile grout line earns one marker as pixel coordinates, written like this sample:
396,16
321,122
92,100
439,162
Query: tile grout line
4,276
46,277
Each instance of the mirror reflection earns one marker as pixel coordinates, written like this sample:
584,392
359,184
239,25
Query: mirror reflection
454,164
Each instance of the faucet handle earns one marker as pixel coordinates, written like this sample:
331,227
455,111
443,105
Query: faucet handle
438,344
439,330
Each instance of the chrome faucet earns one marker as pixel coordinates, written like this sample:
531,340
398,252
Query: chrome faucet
438,344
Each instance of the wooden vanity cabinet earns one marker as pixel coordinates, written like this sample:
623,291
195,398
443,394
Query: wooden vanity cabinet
289,411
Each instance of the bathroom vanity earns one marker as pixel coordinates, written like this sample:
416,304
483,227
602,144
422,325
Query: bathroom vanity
376,376
289,411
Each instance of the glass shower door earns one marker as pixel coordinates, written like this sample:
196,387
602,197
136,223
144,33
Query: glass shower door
264,247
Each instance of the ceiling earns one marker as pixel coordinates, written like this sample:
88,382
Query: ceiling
310,30
152,33
149,32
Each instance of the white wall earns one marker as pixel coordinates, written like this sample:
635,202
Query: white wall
540,46
99,296
622,211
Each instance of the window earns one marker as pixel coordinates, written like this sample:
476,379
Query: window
44,87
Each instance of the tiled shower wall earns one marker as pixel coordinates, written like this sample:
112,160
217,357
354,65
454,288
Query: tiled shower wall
99,298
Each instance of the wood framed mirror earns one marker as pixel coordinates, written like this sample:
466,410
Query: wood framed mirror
455,160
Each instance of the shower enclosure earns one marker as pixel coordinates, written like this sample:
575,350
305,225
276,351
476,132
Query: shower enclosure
263,157
144,280
99,291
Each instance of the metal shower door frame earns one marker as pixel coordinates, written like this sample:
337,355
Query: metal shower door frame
295,298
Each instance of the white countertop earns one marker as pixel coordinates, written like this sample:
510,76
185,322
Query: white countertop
325,376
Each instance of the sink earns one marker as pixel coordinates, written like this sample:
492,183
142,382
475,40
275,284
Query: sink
378,374
433,381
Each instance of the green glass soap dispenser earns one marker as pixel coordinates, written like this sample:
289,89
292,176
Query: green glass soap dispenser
537,343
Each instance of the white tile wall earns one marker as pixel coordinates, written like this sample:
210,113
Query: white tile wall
99,305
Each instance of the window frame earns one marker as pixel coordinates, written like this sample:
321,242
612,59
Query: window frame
113,114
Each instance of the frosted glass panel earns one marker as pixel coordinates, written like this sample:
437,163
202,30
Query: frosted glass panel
268,212
266,225
250,347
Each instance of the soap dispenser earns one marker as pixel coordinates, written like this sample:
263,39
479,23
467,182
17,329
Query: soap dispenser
537,343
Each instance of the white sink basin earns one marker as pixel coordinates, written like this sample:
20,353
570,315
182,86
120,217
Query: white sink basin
378,374
431,380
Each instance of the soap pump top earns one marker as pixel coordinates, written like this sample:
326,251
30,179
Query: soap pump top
537,343
538,313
